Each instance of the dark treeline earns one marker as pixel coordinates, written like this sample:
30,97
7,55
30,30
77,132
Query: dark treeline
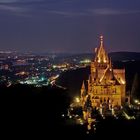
36,112
29,110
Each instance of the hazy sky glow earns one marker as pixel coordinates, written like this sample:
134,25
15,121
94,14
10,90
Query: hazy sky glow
69,25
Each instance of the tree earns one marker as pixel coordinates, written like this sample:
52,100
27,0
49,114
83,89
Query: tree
135,90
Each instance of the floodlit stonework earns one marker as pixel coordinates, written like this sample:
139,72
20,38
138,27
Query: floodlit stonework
105,86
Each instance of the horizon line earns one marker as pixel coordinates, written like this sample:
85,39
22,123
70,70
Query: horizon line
34,52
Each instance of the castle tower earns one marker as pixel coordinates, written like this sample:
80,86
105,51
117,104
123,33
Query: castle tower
107,85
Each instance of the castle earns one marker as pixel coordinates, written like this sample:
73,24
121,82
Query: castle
105,86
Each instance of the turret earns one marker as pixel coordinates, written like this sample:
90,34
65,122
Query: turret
83,94
83,90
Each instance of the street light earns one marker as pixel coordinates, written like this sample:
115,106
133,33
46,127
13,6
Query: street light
77,99
136,101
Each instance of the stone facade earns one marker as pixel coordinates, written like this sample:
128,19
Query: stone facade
106,86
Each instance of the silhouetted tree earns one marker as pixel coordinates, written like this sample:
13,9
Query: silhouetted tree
135,91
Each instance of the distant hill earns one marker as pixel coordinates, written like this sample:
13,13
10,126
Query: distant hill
115,56
122,56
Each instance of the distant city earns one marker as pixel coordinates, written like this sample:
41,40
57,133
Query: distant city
39,70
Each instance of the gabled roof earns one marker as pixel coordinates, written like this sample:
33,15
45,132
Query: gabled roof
109,76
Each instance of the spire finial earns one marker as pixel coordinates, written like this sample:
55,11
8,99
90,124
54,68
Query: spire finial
101,40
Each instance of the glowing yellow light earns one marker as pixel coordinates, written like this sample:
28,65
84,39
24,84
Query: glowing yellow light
128,117
123,82
77,99
86,61
89,127
136,101
54,66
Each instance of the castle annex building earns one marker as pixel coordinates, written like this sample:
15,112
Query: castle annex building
106,86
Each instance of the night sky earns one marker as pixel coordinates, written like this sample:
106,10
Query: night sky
69,25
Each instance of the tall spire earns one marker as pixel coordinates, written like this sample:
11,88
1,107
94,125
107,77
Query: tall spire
101,41
101,55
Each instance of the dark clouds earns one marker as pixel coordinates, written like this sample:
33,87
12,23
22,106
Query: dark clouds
69,25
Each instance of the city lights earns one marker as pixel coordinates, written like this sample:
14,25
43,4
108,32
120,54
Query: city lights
86,61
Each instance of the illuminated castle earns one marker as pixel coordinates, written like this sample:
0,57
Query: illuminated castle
106,86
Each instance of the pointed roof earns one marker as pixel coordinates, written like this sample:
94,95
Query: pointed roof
109,76
83,86
101,55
